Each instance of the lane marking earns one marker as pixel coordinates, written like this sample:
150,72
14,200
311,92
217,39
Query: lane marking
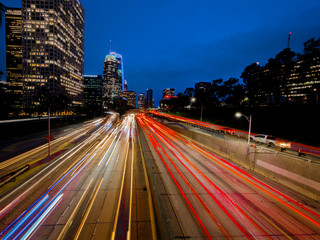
87,211
278,228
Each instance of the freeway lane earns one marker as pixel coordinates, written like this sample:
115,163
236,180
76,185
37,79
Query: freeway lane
93,196
212,198
16,200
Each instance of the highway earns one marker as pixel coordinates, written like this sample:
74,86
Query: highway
134,178
209,197
89,192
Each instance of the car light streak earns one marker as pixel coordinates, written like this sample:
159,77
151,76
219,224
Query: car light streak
185,197
88,210
241,212
228,167
131,187
16,159
214,219
7,208
41,218
23,220
115,223
254,181
69,222
46,193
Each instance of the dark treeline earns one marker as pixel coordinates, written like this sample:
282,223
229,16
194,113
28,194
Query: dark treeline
287,78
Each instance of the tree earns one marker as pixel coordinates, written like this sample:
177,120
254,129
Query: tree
232,92
251,77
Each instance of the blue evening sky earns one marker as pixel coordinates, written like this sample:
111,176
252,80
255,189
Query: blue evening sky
176,43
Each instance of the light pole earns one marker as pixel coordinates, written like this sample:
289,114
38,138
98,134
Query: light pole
239,115
193,99
49,133
201,111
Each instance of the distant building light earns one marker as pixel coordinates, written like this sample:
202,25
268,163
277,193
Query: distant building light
90,75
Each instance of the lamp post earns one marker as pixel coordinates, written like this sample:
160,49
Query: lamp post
239,115
201,111
193,99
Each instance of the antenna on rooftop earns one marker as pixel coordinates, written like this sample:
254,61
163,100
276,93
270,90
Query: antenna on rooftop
110,47
289,39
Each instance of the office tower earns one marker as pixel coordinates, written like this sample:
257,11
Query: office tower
112,78
149,99
141,101
131,98
167,92
14,55
125,86
52,48
92,97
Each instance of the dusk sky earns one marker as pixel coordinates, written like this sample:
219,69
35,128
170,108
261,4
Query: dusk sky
175,43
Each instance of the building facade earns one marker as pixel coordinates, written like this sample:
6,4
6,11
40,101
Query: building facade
131,98
52,47
149,98
92,96
13,31
141,101
112,78
167,92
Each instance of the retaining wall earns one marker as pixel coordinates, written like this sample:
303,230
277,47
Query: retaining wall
297,173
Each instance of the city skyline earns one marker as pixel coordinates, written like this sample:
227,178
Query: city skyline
175,45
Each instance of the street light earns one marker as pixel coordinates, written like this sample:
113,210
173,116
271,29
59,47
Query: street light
239,115
193,99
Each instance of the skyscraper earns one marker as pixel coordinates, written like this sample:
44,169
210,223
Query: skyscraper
112,78
14,54
52,49
141,101
149,99
167,92
92,99
125,86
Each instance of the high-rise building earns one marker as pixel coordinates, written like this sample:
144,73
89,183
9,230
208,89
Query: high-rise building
92,97
167,92
131,98
125,86
52,49
141,101
112,78
149,99
14,55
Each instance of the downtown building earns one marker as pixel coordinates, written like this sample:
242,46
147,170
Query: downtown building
112,79
167,93
52,50
141,101
149,98
92,94
131,98
13,30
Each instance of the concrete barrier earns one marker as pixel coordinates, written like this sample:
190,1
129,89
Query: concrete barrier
297,173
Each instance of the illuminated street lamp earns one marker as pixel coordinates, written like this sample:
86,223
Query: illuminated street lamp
193,99
239,115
